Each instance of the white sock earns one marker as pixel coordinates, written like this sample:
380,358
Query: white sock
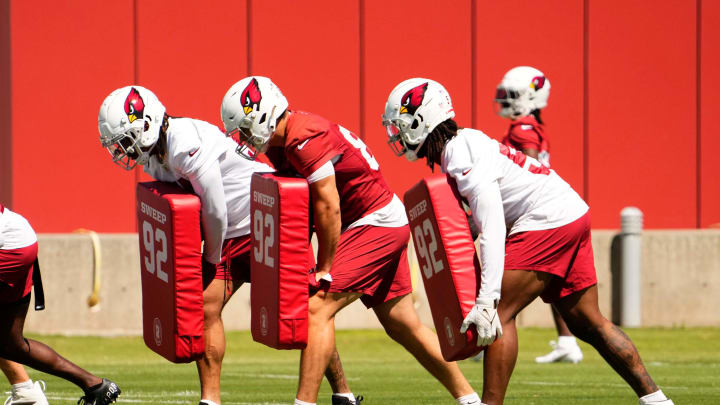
348,395
25,384
567,341
299,402
208,402
470,399
656,396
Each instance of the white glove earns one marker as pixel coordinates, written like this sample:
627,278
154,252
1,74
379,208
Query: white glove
485,317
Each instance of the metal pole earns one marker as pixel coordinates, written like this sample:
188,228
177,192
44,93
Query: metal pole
631,223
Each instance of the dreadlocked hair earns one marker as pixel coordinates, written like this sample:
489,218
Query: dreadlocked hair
536,113
436,140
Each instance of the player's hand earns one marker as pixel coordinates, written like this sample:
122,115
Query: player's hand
318,281
484,316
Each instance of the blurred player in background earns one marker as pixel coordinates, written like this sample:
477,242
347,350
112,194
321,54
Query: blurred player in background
18,254
361,227
23,390
547,251
136,129
520,96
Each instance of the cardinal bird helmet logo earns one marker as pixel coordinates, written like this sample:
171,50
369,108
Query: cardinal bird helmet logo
412,100
134,105
250,97
537,83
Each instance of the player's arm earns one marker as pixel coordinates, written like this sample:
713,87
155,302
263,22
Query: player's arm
477,183
488,216
209,187
326,211
487,213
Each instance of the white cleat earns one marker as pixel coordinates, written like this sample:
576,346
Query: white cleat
561,354
665,402
28,396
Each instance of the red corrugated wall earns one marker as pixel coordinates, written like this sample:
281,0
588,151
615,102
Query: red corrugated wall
709,167
628,116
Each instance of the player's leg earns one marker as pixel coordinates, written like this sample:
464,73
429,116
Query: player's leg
316,356
342,394
15,347
215,296
583,316
14,372
566,348
519,288
23,390
402,324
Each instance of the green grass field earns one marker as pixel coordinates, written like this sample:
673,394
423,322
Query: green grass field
684,362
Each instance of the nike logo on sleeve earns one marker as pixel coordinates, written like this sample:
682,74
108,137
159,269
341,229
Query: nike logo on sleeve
466,171
302,145
194,152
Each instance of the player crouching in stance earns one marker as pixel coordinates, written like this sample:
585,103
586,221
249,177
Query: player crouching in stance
361,227
547,251
136,130
18,252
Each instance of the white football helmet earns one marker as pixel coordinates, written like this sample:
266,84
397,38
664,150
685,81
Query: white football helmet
522,90
413,110
250,110
129,122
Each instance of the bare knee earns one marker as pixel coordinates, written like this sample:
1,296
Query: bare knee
397,330
588,330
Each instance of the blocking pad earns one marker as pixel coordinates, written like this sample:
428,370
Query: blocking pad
171,270
449,264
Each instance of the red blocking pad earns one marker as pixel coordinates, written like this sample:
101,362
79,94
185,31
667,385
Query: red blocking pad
171,268
448,261
280,260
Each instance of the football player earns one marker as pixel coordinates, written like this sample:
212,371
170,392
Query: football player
361,227
520,96
535,237
18,254
136,130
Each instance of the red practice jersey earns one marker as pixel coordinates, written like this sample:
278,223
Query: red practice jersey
311,141
528,133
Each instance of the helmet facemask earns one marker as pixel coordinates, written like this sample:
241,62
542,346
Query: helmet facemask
399,136
513,103
251,135
126,148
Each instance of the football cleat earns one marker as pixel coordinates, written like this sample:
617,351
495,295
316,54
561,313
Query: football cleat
561,354
28,396
104,394
338,400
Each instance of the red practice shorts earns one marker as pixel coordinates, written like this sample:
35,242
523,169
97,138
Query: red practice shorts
372,260
565,252
234,264
16,270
